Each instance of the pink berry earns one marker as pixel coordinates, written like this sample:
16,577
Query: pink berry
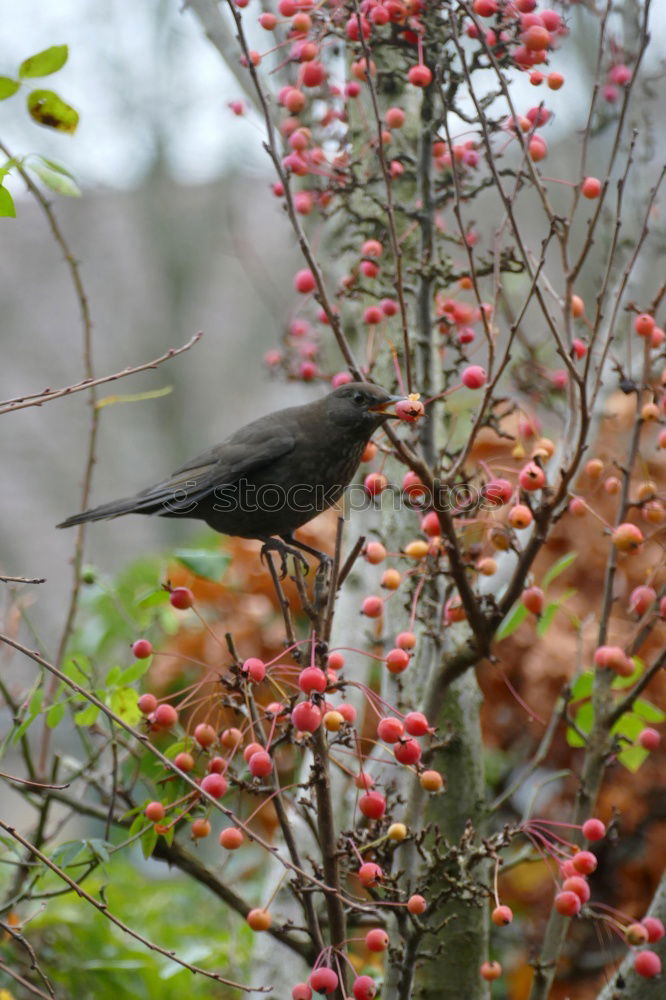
417,904
567,903
312,679
304,281
490,971
369,874
372,607
531,477
214,785
590,188
147,703
502,915
364,988
649,739
584,862
205,735
533,599
375,483
593,829
165,716
323,980
420,76
155,812
184,762
647,964
397,660
301,991
377,939
406,640
409,410
579,885
641,599
260,764
255,669
474,376
407,752
654,927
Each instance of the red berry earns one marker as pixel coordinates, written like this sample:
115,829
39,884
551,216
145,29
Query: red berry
200,828
377,939
205,735
420,76
369,874
647,963
260,764
184,762
335,661
649,739
502,915
372,607
323,980
372,805
375,483
531,477
593,829
644,324
497,492
397,660
567,903
390,729
395,117
142,649
259,920
417,904
579,885
165,716
214,785
147,703
301,991
584,862
490,971
409,410
406,640
533,599
306,716
591,187
365,988
155,812
231,838
181,598
416,724
407,752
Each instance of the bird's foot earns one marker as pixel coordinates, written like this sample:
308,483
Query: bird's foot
283,550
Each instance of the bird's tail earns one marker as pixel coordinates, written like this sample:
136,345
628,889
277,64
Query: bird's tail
128,505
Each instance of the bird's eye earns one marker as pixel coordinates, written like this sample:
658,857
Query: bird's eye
359,397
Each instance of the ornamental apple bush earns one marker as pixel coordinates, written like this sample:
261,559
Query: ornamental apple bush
445,711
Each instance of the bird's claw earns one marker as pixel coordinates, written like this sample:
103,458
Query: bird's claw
283,550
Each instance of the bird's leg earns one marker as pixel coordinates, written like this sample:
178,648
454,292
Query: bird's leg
272,544
324,571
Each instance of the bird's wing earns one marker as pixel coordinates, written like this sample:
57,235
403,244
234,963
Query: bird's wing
241,455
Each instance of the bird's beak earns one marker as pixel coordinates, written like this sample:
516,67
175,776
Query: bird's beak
383,407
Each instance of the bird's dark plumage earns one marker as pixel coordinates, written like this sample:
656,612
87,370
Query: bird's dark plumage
273,475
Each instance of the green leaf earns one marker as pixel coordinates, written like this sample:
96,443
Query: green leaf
55,714
8,87
648,712
619,683
584,719
515,617
124,702
632,758
557,568
45,62
56,180
46,108
135,671
583,685
134,397
148,841
36,701
87,716
7,208
628,726
546,619
112,677
204,562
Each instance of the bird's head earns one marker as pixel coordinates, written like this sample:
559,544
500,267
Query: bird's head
361,406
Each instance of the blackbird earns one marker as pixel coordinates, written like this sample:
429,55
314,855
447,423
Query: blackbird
271,476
